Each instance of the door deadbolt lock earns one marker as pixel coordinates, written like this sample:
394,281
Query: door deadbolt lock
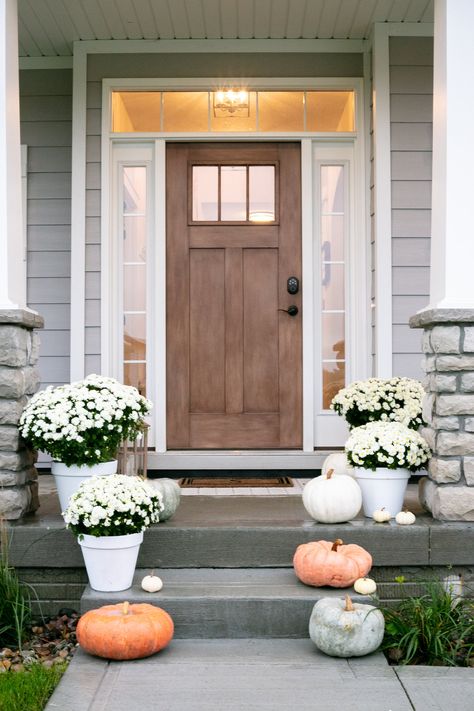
293,285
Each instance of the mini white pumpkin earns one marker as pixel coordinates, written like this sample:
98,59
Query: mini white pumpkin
152,583
405,518
381,515
339,463
332,499
342,628
365,586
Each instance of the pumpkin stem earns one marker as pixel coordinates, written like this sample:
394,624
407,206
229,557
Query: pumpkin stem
349,606
338,542
125,607
330,473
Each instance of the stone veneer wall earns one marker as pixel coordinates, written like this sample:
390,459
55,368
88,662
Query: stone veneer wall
19,379
448,344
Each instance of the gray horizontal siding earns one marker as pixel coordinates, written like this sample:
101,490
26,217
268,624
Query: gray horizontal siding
411,115
45,115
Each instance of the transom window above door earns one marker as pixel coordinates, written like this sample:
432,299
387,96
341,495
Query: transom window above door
233,110
233,193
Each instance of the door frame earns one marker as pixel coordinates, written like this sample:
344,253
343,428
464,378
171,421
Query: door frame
307,457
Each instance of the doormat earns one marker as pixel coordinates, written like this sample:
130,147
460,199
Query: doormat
236,482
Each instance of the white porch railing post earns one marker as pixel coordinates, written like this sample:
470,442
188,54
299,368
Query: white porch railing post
448,322
12,252
452,243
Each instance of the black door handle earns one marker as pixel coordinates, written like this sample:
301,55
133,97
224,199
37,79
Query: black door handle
291,310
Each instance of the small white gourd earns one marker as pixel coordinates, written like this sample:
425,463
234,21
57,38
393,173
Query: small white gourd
338,463
152,583
381,515
365,586
405,518
332,499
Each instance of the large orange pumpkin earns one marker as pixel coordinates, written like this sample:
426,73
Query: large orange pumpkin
125,631
325,563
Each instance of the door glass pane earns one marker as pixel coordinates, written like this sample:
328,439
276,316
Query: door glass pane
134,238
333,286
262,193
333,338
134,337
334,378
134,287
280,110
332,238
205,193
233,192
135,374
134,190
134,111
185,111
330,111
332,188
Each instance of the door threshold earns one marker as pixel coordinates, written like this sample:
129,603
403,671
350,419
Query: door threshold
240,459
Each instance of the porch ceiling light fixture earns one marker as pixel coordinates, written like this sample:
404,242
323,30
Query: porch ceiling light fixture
231,103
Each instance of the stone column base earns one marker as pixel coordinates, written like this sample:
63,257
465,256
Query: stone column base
19,379
448,345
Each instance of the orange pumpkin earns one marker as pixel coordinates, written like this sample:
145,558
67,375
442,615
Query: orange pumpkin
125,631
325,563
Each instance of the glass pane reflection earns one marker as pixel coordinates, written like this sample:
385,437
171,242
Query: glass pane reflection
334,378
333,336
134,337
205,193
233,192
261,193
135,374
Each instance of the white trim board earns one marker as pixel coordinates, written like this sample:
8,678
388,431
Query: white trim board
358,252
264,460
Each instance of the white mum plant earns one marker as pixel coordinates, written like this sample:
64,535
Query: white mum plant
387,444
388,400
83,423
112,505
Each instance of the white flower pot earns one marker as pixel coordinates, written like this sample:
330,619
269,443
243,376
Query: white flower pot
110,560
382,488
68,479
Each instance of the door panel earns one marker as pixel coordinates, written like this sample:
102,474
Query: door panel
233,353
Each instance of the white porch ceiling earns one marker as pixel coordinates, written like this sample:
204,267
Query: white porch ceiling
49,27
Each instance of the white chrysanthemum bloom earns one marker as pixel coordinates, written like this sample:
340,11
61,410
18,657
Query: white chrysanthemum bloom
396,399
389,444
113,505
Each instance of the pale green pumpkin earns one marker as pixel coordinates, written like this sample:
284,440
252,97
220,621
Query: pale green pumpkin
341,628
171,493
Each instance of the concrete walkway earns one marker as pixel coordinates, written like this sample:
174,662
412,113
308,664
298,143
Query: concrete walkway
257,675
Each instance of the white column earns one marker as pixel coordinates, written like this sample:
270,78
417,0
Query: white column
12,258
452,241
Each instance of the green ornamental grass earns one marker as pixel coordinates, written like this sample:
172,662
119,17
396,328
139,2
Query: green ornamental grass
433,629
15,609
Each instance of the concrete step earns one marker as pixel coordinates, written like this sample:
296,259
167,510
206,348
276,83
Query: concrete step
248,675
248,532
209,603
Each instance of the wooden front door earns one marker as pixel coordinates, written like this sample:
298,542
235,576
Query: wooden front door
234,354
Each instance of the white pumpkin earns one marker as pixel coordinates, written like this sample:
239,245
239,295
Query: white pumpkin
152,583
338,462
171,493
365,586
405,518
332,499
342,628
381,515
